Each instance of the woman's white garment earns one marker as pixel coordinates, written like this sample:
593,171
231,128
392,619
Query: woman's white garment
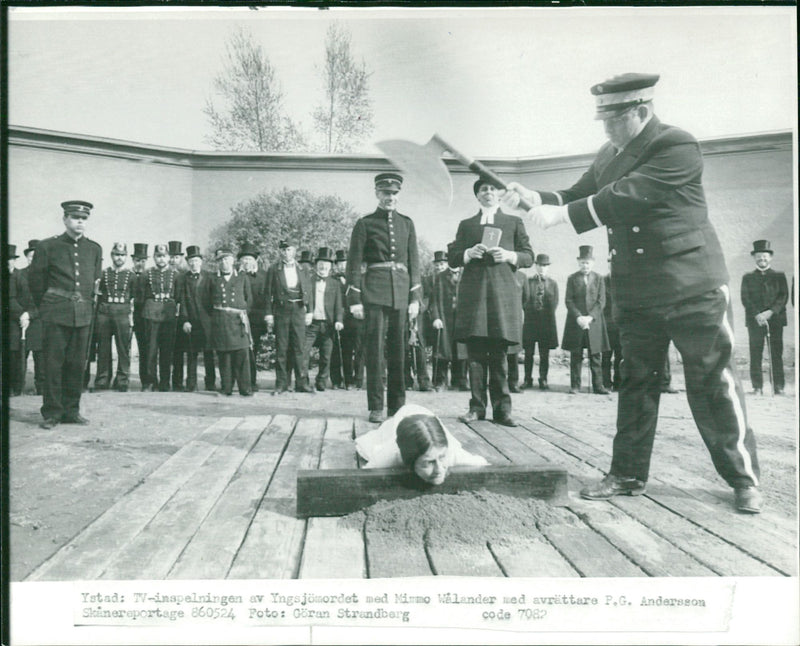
379,447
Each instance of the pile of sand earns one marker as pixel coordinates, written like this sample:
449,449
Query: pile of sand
466,517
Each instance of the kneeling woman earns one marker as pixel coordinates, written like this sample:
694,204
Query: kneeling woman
414,437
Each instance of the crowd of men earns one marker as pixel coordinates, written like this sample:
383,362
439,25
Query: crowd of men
368,309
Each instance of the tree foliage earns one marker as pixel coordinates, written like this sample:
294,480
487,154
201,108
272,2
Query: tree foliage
345,116
252,117
310,221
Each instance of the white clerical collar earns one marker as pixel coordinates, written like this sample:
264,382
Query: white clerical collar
487,214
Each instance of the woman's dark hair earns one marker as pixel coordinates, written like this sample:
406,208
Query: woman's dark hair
418,433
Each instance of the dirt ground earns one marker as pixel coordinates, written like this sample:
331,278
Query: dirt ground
62,479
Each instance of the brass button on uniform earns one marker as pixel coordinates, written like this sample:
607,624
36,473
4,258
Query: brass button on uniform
640,251
635,229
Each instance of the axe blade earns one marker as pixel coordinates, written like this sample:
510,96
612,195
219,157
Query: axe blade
423,164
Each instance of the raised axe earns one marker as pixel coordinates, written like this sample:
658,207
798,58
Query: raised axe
424,163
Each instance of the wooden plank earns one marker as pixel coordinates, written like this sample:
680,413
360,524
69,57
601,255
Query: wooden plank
152,554
273,544
451,558
212,549
334,547
389,555
473,442
531,557
502,438
89,552
342,491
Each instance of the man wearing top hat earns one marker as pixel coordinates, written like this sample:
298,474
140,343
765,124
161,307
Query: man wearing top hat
158,290
386,294
447,354
327,315
226,296
288,307
585,327
181,344
764,296
539,326
669,282
139,259
195,320
306,261
347,342
31,322
489,310
248,265
115,320
62,278
16,322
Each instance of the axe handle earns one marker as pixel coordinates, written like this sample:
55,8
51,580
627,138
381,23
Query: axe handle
477,167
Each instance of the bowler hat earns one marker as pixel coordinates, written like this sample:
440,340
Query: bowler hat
325,253
32,244
483,179
139,251
439,256
12,251
247,250
77,208
175,248
119,248
193,251
305,256
543,259
389,181
622,92
585,252
341,255
761,246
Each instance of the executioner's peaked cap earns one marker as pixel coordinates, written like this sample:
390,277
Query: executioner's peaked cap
388,181
119,249
193,251
761,246
175,248
622,92
139,251
77,208
585,252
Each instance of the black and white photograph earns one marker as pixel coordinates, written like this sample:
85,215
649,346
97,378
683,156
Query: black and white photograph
400,325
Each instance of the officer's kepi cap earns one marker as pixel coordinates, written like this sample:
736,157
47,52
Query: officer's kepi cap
388,182
619,93
77,208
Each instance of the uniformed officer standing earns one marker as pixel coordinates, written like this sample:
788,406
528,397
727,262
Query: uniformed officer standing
764,295
669,282
248,265
62,279
226,296
115,319
139,258
159,292
33,332
195,320
181,343
387,293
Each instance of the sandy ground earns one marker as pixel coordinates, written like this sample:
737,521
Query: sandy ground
62,479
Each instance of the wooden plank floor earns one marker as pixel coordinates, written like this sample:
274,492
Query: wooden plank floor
223,506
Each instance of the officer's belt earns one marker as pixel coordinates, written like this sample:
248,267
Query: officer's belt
73,296
232,310
389,264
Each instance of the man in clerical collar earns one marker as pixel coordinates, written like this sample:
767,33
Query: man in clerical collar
764,296
288,312
62,279
248,264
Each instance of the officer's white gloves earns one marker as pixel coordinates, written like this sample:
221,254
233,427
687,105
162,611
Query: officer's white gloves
584,322
270,320
549,215
338,326
514,192
357,311
437,324
413,310
187,328
309,317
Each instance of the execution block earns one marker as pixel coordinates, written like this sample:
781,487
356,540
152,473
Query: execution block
336,492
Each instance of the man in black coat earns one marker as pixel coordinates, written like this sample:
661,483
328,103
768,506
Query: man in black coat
489,310
764,296
16,321
444,297
327,315
195,320
248,265
669,282
539,325
139,258
62,278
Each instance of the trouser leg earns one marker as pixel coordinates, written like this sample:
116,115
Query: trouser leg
105,330
395,360
597,374
477,357
575,364
281,350
776,347
122,340
499,393
374,348
756,336
544,362
528,365
225,372
240,366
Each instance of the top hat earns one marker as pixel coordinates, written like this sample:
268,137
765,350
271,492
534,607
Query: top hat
175,248
77,208
139,251
222,252
585,252
247,250
12,251
483,179
31,246
305,256
389,181
617,94
341,255
544,259
160,249
439,256
119,249
193,251
761,246
325,253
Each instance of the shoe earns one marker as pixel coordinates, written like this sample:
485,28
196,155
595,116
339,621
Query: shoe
147,388
247,394
280,391
463,388
572,391
121,389
543,384
612,485
425,388
211,387
748,500
513,388
320,386
758,391
347,387
376,416
670,390
506,420
48,423
75,419
359,385
228,394
177,388
97,387
471,416
778,390
527,384
602,391
304,389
